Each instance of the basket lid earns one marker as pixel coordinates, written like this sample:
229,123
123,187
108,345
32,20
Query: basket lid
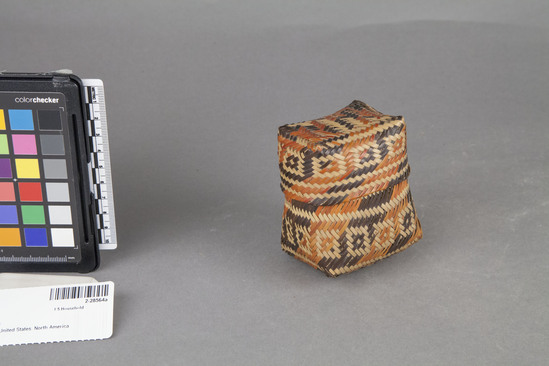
351,153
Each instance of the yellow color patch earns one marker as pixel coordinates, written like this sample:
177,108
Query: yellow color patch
27,168
2,120
10,237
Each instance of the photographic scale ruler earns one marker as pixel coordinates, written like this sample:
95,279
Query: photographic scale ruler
100,165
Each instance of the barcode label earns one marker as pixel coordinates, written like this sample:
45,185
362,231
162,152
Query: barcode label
31,314
79,292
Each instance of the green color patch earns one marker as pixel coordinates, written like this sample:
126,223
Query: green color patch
4,149
33,215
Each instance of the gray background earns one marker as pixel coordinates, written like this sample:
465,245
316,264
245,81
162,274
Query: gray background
195,93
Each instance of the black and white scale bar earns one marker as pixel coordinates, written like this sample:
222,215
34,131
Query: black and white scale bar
31,259
100,166
79,292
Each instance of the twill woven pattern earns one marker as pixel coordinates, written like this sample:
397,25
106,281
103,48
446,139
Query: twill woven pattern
347,199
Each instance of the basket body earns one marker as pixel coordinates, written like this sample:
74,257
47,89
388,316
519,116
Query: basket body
345,182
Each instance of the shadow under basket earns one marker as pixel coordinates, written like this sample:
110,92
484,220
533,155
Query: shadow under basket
345,182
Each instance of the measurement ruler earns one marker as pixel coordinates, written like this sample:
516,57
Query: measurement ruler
100,166
26,259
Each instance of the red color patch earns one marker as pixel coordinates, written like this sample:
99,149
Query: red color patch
30,192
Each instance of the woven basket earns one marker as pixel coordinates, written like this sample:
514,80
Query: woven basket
347,199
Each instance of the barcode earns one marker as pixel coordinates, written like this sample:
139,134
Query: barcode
79,292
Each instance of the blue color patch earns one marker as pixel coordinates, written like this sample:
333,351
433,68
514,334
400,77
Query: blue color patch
36,237
21,119
8,215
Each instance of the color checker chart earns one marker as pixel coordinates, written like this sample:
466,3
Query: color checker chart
37,218
56,196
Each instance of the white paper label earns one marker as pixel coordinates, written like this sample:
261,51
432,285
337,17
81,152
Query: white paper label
76,312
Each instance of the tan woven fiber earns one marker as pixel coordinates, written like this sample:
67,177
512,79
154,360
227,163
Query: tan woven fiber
347,199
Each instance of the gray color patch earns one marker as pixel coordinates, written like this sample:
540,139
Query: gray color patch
60,215
57,192
52,144
55,168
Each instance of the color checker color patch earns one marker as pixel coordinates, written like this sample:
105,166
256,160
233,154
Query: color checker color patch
8,215
24,144
5,168
62,237
55,168
27,168
4,148
7,193
49,120
10,237
30,191
36,237
60,215
33,215
21,119
52,144
57,192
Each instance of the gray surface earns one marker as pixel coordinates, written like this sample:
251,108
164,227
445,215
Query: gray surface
52,144
57,192
195,92
55,168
